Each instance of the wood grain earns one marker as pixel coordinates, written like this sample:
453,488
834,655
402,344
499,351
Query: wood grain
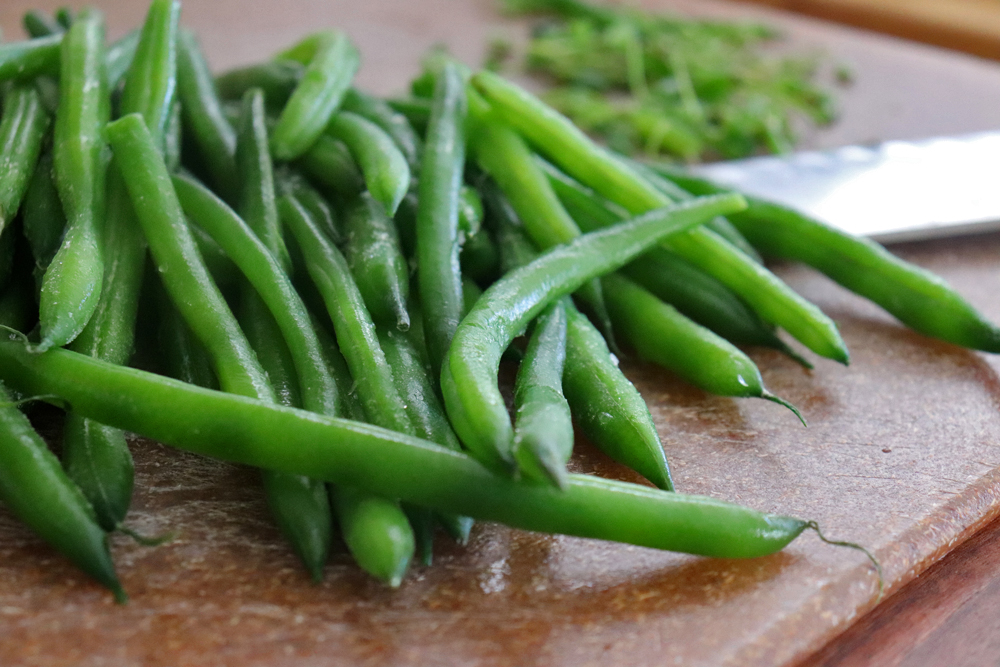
901,454
972,26
949,615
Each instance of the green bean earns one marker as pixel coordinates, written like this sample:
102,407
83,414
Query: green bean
384,166
376,261
393,123
416,110
96,456
662,335
438,270
65,17
299,505
37,24
247,431
413,380
469,374
672,278
262,269
37,491
385,552
151,83
42,219
331,62
118,57
329,163
184,356
71,286
720,226
277,78
203,116
173,138
354,329
22,130
176,256
253,165
290,182
25,60
543,427
470,294
503,154
608,175
480,259
604,403
916,297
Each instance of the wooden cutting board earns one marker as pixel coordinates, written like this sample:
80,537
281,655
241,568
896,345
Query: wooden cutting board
967,25
901,454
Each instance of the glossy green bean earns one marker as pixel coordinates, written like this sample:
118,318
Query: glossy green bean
22,129
383,165
504,155
72,283
469,374
97,457
173,249
35,489
203,116
662,335
672,278
247,431
318,388
330,66
918,298
355,331
604,403
300,505
290,182
393,123
375,258
151,83
543,427
256,178
386,555
439,277
595,167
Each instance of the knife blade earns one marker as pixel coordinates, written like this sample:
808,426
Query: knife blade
892,192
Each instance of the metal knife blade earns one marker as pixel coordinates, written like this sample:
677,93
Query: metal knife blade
894,191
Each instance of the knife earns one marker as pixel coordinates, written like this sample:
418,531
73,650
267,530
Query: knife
892,192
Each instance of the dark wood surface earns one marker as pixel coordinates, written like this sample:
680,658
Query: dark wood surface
901,455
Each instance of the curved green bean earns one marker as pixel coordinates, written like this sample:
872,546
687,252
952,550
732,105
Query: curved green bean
385,169
331,64
469,374
595,167
72,283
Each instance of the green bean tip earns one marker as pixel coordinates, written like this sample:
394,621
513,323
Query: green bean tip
768,396
813,525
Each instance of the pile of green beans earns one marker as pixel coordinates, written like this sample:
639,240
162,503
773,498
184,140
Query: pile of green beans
335,280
